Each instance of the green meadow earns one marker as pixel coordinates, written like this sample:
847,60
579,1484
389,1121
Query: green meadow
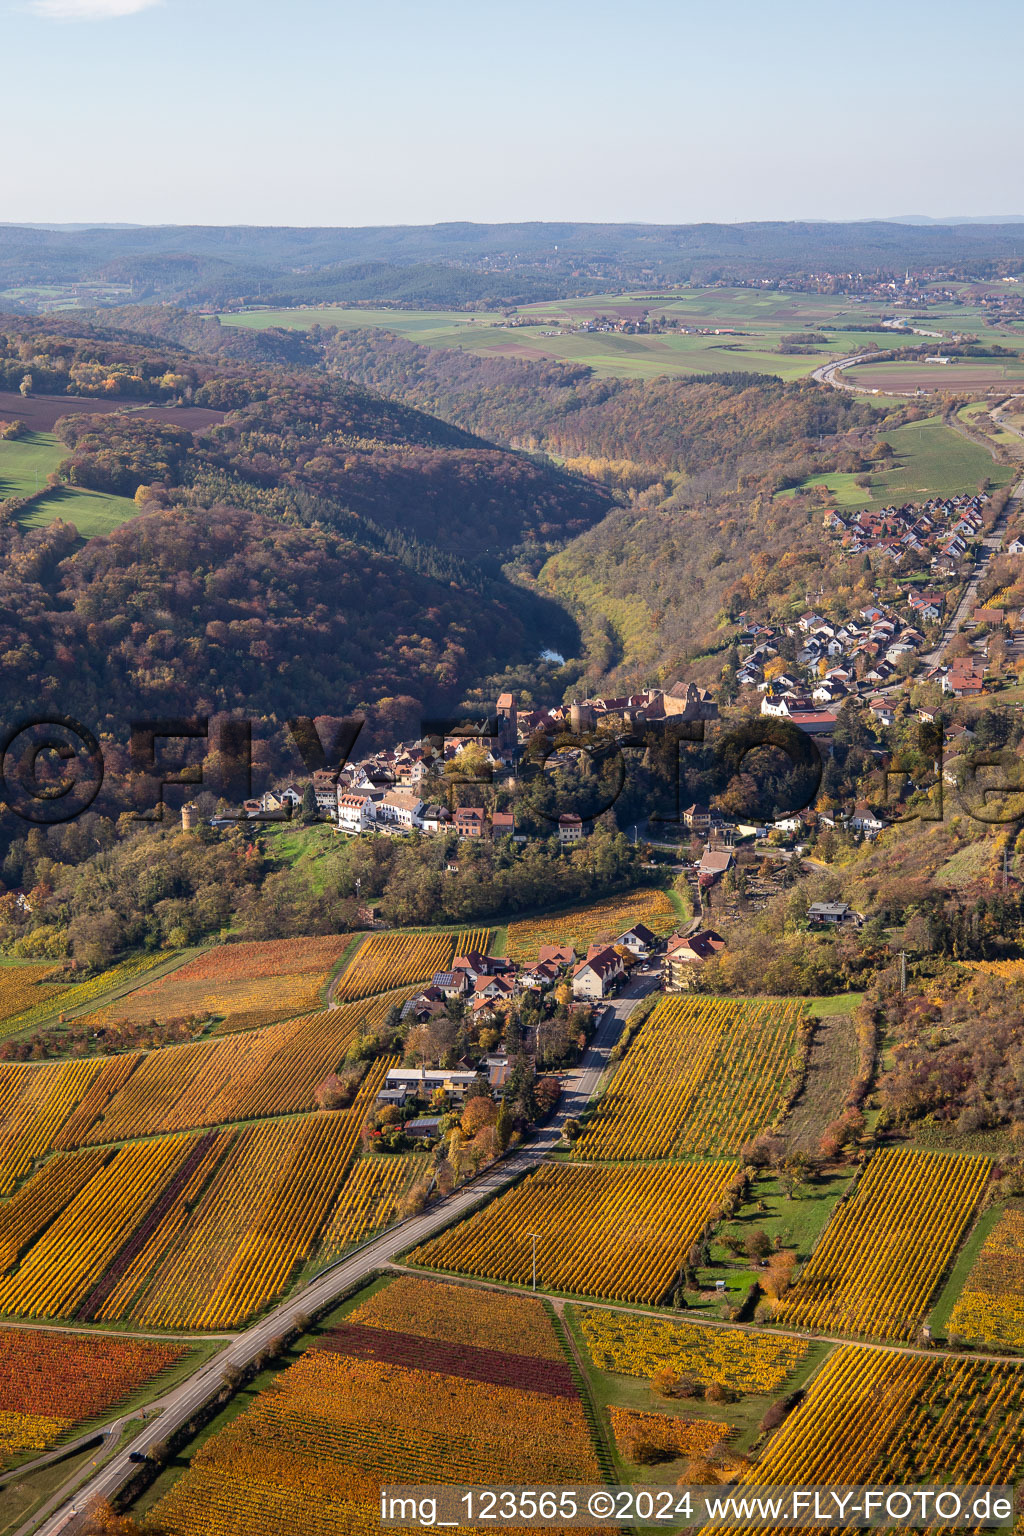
26,461
931,459
24,465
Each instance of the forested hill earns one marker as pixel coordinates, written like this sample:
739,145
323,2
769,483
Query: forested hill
697,532
678,424
319,549
444,265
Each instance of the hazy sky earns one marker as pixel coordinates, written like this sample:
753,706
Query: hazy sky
415,111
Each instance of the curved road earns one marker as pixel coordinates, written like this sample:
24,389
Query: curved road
64,1512
831,373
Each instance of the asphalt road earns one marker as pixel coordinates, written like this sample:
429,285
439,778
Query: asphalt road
832,373
64,1512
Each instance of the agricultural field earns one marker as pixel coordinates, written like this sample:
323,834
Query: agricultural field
751,326
23,988
26,461
243,1076
244,985
879,1418
581,926
601,1230
179,1231
703,1076
434,1309
637,1434
370,1406
35,1102
387,960
94,513
879,1261
632,1345
41,1001
990,1309
931,459
51,1382
983,375
370,1197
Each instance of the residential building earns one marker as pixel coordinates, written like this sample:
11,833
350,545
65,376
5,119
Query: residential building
469,821
556,954
595,977
698,817
832,913
451,983
421,1082
355,813
685,954
400,808
570,827
639,940
715,862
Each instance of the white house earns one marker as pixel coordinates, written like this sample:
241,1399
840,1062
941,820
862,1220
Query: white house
832,913
595,977
400,807
355,813
639,940
570,828
865,820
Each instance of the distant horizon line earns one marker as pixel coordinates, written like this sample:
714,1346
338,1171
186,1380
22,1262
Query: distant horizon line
909,220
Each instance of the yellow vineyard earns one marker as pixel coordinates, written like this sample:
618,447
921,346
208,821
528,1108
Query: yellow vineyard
582,926
639,1346
702,1077
43,1002
619,1232
248,984
990,1308
388,960
882,1419
877,1265
179,1231
369,1199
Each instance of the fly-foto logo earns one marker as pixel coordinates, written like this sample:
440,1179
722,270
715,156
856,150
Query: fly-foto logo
52,767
